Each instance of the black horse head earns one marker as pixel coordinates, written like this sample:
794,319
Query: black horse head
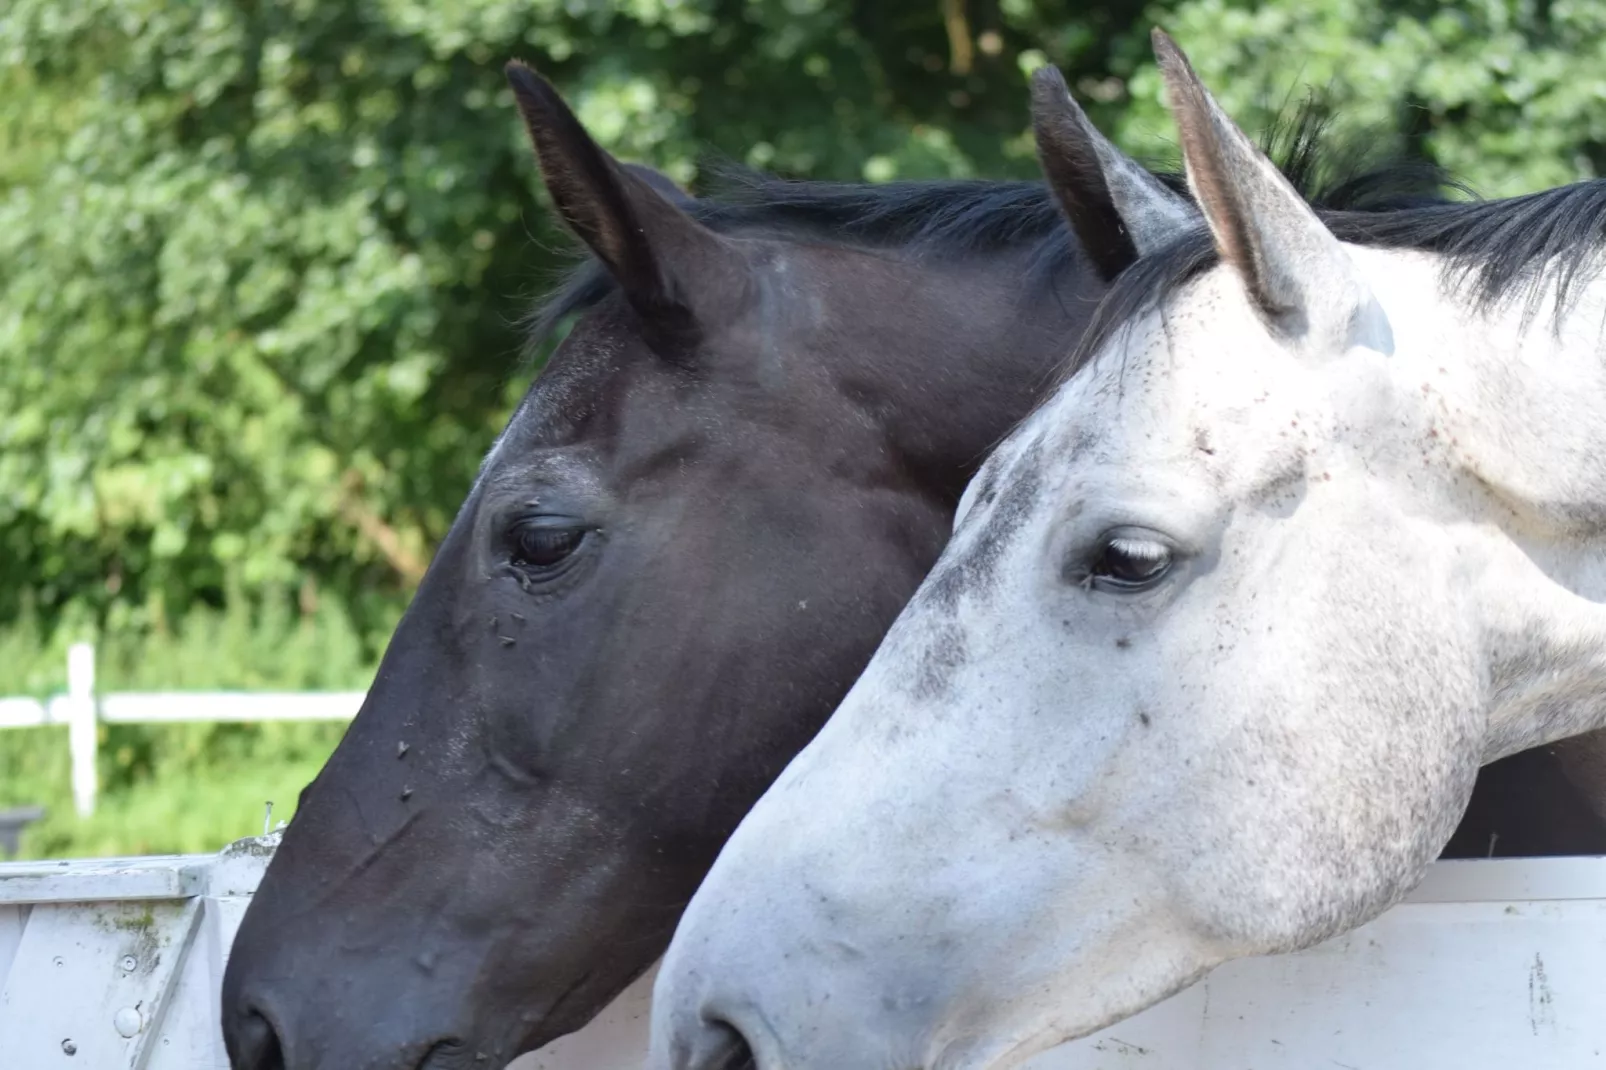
694,531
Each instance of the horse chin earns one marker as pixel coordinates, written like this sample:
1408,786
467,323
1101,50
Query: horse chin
468,1053
447,1055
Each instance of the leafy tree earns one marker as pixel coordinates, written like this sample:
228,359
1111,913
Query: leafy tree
1509,96
261,260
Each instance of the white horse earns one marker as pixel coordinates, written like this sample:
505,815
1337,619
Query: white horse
1225,631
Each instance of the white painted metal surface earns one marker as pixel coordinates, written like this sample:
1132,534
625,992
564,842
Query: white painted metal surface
105,879
1492,964
115,964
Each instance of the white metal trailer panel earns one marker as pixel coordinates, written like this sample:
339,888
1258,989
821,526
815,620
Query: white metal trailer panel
115,964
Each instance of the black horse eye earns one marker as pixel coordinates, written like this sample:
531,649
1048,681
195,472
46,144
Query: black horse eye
545,545
1130,563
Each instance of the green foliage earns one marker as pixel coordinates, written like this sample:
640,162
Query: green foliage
260,264
275,645
170,789
187,787
1509,96
260,261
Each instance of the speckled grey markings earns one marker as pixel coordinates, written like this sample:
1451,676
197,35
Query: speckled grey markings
973,572
941,655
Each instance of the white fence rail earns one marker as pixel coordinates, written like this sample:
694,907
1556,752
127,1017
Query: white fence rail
82,710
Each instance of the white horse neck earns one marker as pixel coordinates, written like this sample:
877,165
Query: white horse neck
1515,403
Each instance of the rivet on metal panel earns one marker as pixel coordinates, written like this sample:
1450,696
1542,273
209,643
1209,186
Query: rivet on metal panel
128,963
128,1022
69,1047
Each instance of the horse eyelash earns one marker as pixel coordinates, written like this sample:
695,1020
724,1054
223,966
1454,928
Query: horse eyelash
1143,549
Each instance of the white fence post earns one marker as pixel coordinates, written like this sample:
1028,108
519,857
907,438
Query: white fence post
81,724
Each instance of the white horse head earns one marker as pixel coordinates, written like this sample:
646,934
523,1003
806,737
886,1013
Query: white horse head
1224,633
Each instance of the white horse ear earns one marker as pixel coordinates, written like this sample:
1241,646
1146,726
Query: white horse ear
1299,277
1118,209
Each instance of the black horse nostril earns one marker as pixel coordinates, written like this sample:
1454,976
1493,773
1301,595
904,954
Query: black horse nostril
253,1045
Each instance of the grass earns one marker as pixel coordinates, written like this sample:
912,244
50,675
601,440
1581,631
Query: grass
182,788
197,787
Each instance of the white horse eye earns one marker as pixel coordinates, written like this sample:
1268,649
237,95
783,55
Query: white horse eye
1130,562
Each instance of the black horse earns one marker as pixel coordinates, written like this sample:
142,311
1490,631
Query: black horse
676,559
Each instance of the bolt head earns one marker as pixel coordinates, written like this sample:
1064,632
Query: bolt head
128,963
128,1022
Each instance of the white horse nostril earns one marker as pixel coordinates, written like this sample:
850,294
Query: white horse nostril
720,1046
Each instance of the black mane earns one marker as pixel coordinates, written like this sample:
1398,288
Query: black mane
965,218
947,218
1524,247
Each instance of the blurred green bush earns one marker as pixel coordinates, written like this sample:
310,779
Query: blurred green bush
261,264
184,787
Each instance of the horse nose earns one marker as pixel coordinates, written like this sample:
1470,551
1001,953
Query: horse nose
707,1042
253,1044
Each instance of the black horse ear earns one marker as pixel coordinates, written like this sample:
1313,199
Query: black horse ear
1118,209
661,182
671,268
